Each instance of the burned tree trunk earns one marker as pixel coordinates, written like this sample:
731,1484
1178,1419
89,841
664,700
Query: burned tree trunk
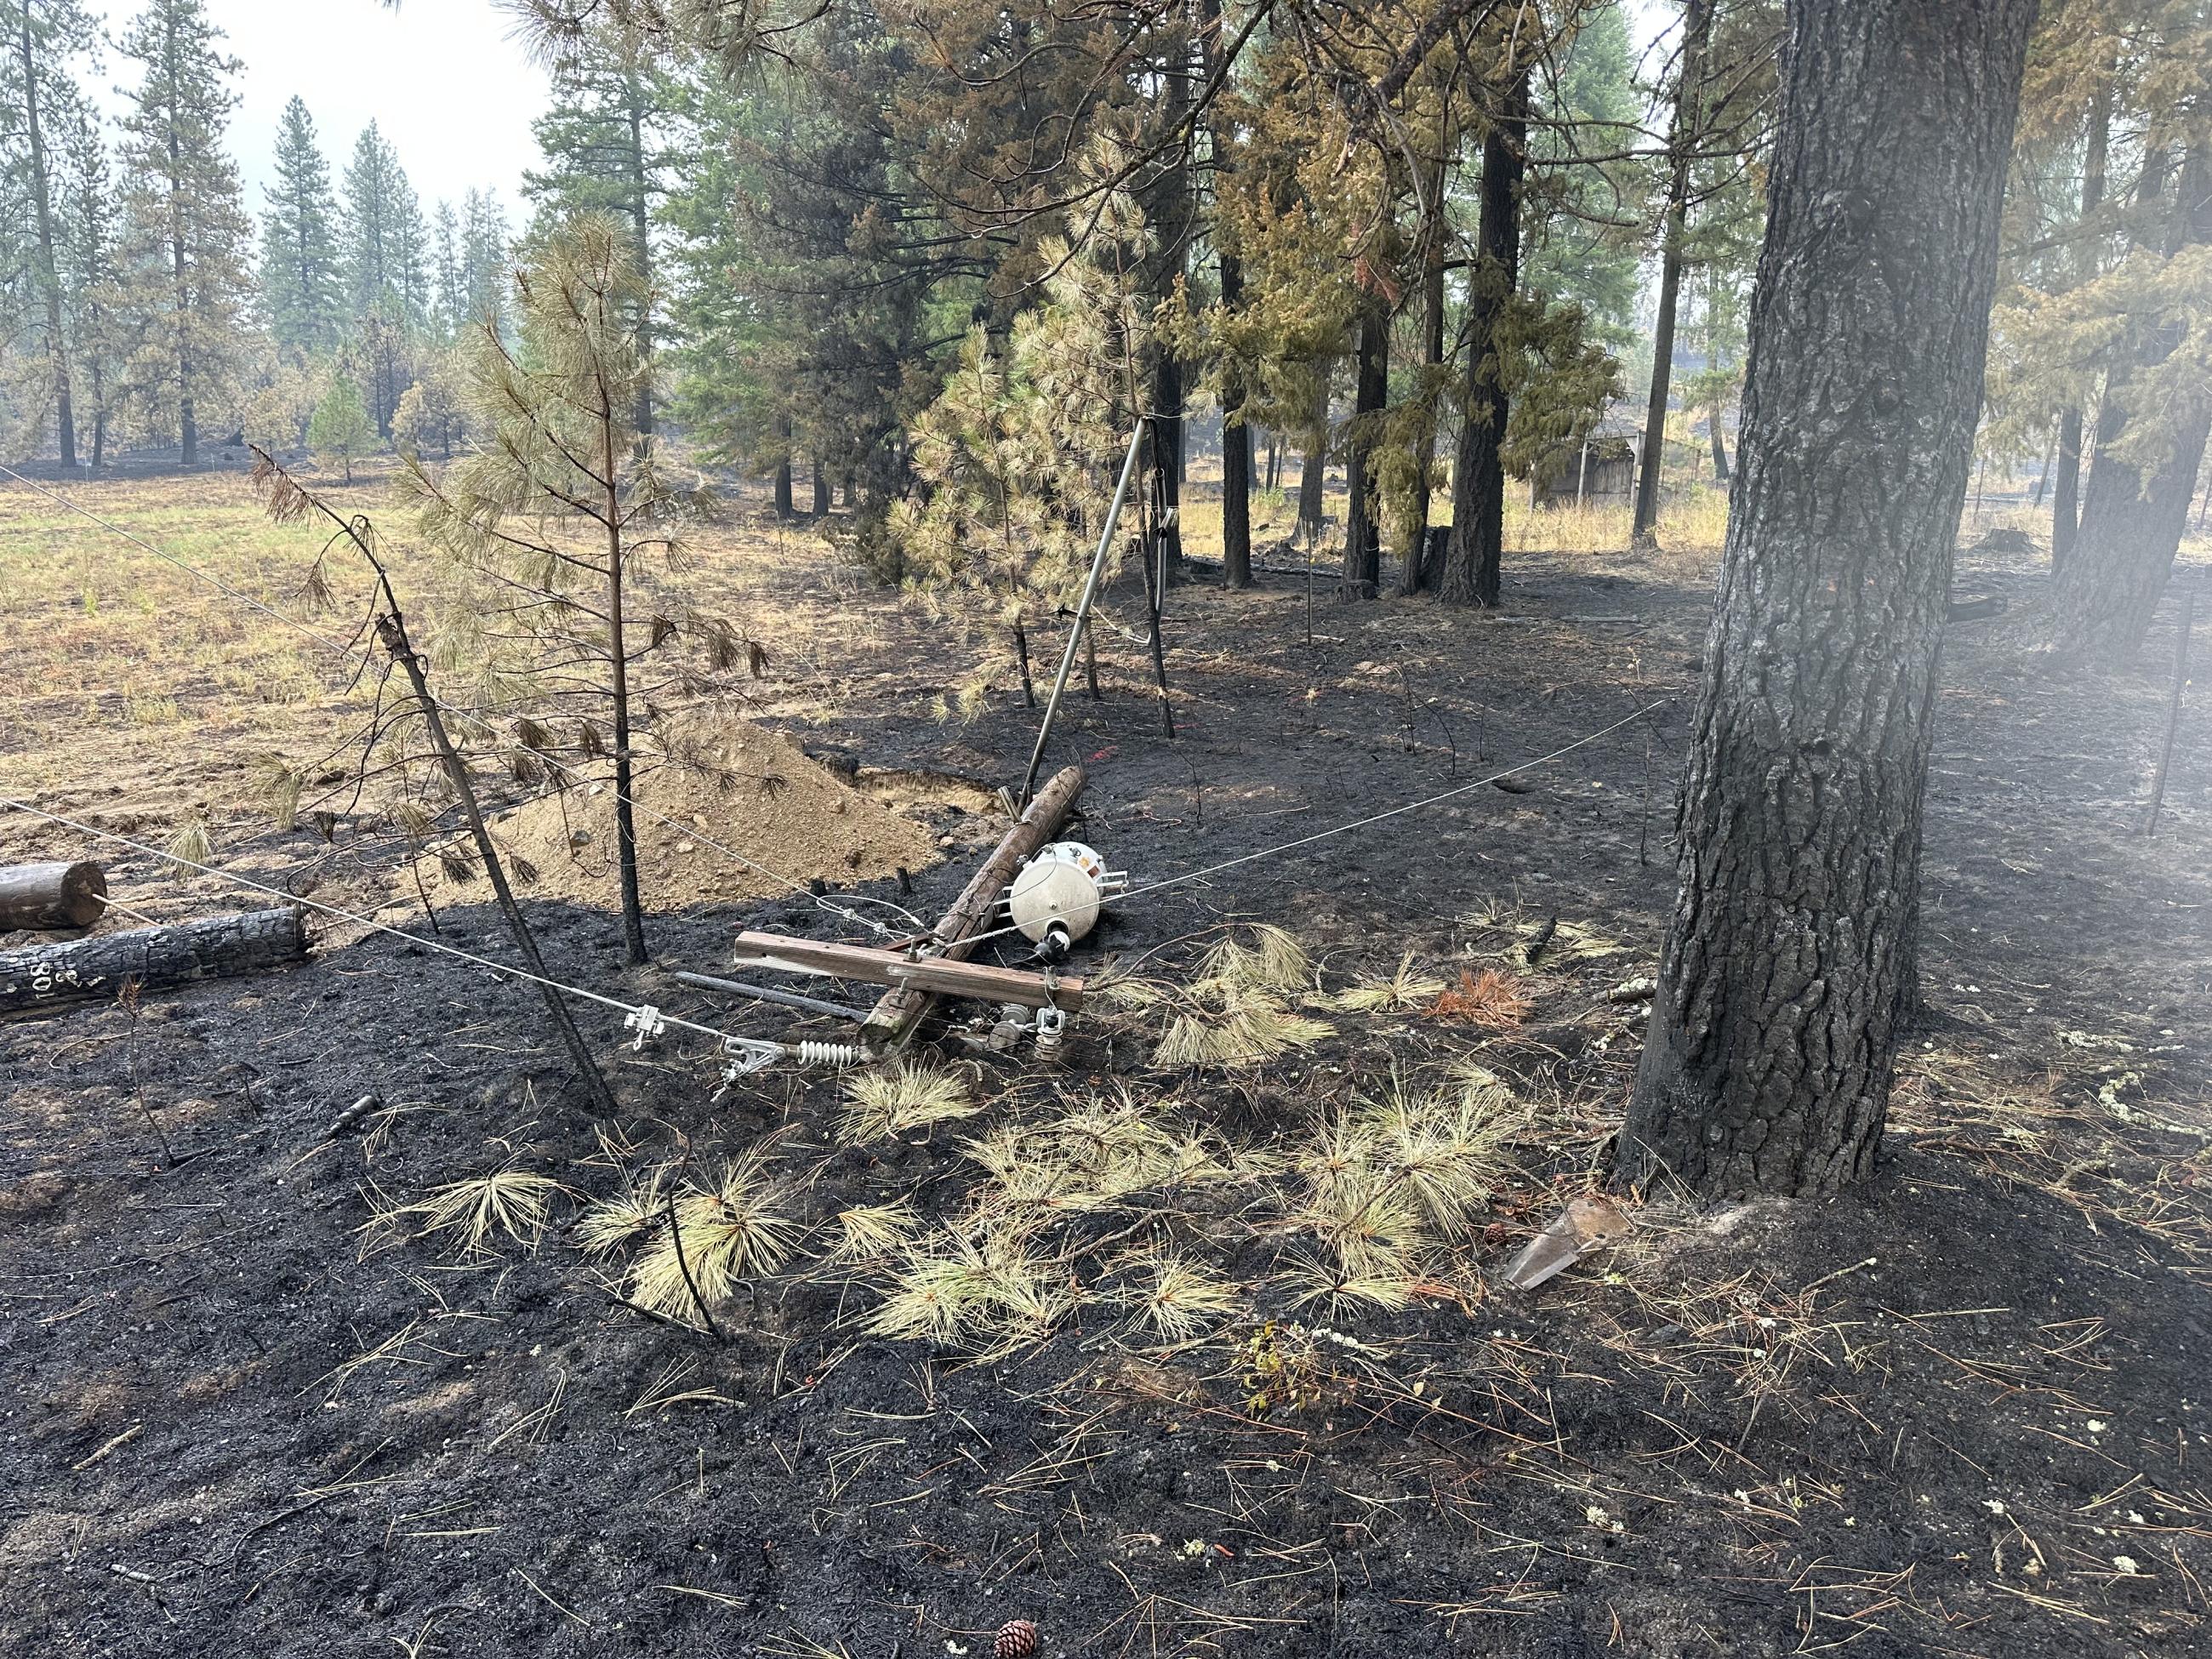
1413,572
214,947
1767,1065
2133,515
1363,530
1478,542
1681,140
1235,454
2066,488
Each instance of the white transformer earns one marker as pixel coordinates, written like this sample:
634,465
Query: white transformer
1058,892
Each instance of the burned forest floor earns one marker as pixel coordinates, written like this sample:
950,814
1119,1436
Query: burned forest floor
316,1334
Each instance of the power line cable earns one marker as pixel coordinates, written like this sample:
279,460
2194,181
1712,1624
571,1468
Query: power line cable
1356,824
338,911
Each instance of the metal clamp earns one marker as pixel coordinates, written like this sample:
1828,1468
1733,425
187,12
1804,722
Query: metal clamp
647,1022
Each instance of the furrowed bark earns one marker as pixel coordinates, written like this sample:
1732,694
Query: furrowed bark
2132,517
1768,1061
1478,541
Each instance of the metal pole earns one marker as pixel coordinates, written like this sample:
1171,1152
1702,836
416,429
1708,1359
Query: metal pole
764,993
1082,612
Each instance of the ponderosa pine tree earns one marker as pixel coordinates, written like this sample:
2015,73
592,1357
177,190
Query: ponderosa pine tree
2152,428
183,282
449,297
303,286
44,35
385,268
1682,142
803,267
87,209
564,495
339,430
1767,1064
1581,217
2113,311
607,151
487,260
1022,450
1473,560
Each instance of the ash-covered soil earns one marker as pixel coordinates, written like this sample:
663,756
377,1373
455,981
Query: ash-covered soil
1960,1412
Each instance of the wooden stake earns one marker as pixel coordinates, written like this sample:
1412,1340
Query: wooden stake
2173,707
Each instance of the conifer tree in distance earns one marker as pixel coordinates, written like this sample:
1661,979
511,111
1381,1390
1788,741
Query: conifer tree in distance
300,283
33,78
183,276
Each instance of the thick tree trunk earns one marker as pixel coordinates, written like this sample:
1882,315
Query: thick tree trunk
212,947
1478,542
2066,488
1236,453
785,510
1413,571
1363,530
2103,595
1681,140
47,896
821,491
1768,1062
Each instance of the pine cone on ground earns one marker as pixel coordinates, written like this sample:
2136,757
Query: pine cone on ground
1017,1640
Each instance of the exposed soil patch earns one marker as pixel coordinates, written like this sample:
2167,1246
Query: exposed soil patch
1959,1412
723,786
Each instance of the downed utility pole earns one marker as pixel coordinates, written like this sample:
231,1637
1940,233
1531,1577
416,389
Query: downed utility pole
211,947
952,939
49,898
288,501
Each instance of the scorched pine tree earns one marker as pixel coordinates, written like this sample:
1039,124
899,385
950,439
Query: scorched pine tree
563,493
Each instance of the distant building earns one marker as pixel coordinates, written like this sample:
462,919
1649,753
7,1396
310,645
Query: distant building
1599,469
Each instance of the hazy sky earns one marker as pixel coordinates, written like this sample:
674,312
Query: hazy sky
440,78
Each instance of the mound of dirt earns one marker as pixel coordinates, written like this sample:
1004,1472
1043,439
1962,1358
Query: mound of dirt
720,781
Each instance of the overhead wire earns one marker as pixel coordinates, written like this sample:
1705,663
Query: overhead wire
343,913
1161,885
1357,823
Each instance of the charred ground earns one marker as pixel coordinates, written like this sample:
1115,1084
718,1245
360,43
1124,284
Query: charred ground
1958,1411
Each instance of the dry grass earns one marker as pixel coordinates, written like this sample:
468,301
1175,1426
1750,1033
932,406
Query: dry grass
902,1097
509,1203
1493,1000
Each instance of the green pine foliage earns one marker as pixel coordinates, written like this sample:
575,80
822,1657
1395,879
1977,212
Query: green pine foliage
302,287
1020,452
181,211
339,432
